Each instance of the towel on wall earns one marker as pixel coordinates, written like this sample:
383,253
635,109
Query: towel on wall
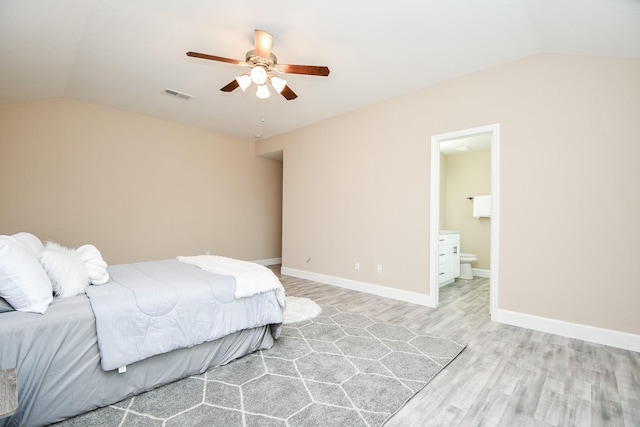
481,206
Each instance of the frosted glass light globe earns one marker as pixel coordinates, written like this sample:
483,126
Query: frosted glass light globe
263,92
258,75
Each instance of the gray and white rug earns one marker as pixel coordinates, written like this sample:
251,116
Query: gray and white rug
337,369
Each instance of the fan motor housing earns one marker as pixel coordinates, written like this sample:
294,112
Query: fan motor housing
271,63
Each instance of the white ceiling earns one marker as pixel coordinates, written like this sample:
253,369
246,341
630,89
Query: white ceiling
124,53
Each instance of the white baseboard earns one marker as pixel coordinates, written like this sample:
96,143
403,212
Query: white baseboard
480,272
593,334
269,261
370,288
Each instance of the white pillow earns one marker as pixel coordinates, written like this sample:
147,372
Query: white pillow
29,241
95,265
65,268
23,282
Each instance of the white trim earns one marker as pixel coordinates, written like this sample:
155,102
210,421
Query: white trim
495,218
481,272
434,223
593,334
369,288
434,212
269,261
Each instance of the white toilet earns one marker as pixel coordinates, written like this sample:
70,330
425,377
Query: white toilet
465,265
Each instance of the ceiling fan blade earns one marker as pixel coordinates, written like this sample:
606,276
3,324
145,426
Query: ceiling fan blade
288,93
263,42
312,70
213,58
233,84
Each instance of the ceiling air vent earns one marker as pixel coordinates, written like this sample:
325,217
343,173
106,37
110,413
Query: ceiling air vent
177,93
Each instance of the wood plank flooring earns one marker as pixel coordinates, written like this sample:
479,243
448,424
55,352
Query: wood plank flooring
507,376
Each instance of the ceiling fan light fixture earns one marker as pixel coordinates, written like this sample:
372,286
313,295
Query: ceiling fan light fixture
244,81
263,66
258,75
278,83
263,92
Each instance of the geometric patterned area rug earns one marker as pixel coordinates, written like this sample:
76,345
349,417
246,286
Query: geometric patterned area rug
338,369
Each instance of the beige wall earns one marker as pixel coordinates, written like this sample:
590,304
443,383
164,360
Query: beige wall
138,188
356,187
468,174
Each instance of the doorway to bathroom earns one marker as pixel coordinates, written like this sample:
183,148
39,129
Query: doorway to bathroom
456,141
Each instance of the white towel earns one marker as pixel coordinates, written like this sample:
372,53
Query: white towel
481,206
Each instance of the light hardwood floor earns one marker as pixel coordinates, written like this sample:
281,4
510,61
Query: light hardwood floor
507,376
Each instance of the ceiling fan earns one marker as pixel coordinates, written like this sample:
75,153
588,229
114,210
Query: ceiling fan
264,68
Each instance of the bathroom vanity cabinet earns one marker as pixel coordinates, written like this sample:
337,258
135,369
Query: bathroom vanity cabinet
448,257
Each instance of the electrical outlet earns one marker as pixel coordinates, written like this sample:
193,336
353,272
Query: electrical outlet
357,266
207,253
379,268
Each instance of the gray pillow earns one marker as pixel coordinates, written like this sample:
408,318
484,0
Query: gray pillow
5,306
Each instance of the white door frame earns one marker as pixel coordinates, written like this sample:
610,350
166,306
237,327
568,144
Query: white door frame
434,229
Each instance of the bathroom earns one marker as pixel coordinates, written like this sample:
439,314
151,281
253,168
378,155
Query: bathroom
465,172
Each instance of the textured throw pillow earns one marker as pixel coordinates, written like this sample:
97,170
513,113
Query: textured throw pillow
65,268
95,265
29,241
23,282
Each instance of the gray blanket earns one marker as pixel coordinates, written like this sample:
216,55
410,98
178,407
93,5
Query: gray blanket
151,308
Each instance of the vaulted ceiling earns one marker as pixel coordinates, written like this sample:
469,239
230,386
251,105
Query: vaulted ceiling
124,53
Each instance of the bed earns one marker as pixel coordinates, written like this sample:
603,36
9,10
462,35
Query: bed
59,355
